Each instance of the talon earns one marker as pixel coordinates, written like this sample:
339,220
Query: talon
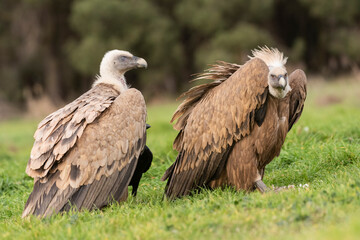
261,186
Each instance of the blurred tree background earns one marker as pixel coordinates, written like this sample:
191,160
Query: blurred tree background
55,46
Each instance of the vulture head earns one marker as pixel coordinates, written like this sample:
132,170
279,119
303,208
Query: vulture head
118,62
278,76
114,65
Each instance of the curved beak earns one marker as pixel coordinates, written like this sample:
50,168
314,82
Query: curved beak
282,83
140,62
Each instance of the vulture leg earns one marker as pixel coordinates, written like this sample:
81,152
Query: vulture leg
261,186
241,167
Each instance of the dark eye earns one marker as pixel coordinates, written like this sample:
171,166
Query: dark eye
273,76
285,75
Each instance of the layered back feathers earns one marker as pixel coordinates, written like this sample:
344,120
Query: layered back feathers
59,131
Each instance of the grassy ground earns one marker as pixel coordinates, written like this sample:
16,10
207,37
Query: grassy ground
322,150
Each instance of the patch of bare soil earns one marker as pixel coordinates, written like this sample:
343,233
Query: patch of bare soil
8,110
328,100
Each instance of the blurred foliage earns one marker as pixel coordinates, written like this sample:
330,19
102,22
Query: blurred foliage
58,44
334,10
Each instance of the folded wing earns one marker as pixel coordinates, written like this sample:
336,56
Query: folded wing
223,114
297,96
98,167
59,131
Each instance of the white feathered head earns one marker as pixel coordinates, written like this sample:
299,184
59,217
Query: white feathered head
278,76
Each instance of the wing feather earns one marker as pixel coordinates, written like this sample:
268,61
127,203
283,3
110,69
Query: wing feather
223,115
218,73
59,131
105,154
297,95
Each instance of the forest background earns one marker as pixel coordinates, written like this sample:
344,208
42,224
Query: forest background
52,48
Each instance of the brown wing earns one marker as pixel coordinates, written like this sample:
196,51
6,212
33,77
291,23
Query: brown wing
100,165
218,73
224,115
59,131
297,82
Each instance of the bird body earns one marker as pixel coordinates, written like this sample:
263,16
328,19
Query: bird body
244,162
85,154
231,128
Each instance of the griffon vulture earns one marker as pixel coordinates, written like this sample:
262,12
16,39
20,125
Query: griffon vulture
87,153
231,128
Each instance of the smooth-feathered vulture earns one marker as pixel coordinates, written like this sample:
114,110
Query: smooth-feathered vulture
232,127
87,153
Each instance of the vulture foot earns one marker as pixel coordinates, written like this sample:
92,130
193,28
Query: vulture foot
261,186
279,189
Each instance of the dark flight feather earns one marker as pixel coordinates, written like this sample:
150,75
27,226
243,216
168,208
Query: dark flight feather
142,166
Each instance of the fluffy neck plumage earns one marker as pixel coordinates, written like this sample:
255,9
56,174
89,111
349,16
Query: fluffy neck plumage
272,57
119,83
109,75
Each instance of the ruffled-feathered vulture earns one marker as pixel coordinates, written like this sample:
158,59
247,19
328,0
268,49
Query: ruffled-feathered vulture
87,153
232,127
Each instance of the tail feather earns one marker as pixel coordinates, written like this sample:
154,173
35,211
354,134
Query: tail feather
183,182
41,196
47,199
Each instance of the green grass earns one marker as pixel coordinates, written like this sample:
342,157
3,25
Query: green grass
322,150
